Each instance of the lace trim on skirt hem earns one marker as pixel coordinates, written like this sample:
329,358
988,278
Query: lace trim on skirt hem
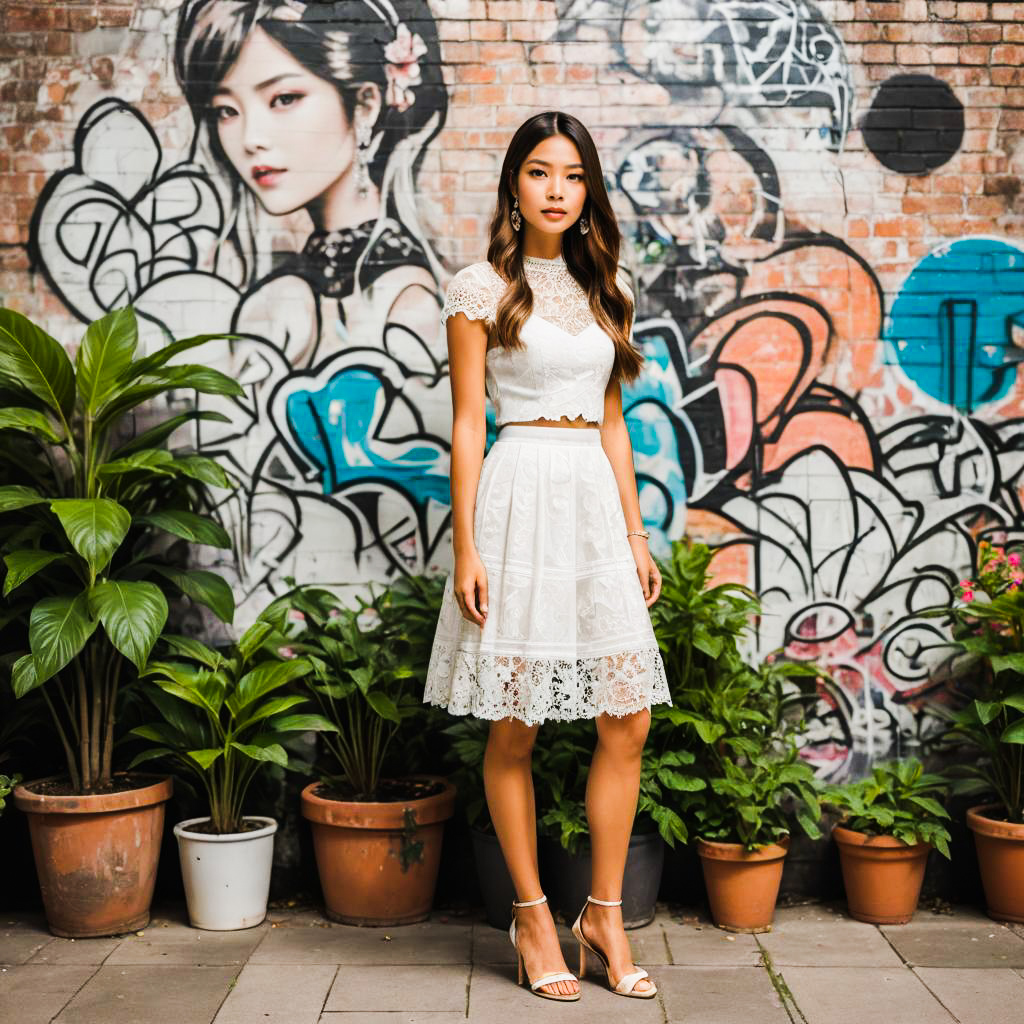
534,690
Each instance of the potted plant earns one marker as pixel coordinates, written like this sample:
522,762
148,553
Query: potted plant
7,784
84,519
890,822
377,838
224,716
988,628
742,723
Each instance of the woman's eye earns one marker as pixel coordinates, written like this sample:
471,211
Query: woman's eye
223,113
286,99
536,170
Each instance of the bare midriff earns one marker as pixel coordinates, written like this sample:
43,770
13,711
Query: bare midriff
563,422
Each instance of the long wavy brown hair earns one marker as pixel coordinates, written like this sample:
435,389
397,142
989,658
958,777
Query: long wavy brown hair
592,259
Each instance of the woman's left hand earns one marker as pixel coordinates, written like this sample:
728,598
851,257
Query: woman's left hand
646,569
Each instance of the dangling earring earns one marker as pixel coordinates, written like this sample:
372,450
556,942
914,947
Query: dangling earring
516,217
362,166
584,225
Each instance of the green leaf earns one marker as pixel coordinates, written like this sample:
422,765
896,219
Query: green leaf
24,678
273,752
1001,662
987,710
192,648
105,353
1014,732
152,460
16,496
383,705
204,587
190,526
23,565
156,436
252,639
274,706
207,471
266,678
31,420
204,379
150,755
133,615
58,629
205,758
302,723
141,367
95,527
1015,701
30,360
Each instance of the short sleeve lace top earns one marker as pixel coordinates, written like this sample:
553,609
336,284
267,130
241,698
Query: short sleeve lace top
566,359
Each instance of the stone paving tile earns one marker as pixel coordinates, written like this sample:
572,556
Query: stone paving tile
704,945
853,995
495,997
977,995
428,942
968,939
76,951
35,994
174,942
274,994
439,987
149,995
22,936
818,936
723,995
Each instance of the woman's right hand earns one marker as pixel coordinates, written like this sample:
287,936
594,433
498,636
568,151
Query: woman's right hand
470,584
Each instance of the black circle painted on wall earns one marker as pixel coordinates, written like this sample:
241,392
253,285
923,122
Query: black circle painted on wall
915,124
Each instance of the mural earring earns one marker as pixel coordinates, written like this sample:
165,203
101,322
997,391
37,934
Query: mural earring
362,167
516,217
584,225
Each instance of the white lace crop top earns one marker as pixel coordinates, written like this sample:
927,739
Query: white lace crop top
566,359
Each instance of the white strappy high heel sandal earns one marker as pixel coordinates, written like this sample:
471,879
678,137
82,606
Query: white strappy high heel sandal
626,985
546,979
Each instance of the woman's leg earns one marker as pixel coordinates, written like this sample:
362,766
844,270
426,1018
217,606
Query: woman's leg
613,788
508,784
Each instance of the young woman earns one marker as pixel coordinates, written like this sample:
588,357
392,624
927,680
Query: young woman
545,615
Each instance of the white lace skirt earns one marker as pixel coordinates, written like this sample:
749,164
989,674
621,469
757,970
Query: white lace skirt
568,634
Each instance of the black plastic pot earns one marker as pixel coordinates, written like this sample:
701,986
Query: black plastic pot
568,878
495,882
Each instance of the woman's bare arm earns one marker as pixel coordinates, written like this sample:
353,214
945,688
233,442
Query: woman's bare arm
467,350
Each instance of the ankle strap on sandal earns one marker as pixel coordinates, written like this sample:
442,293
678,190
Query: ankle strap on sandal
605,903
530,903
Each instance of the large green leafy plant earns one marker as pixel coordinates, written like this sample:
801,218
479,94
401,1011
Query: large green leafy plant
225,715
85,511
988,628
898,799
738,724
369,666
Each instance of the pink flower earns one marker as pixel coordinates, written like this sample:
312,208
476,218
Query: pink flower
333,613
769,659
297,615
286,652
402,69
1014,560
1013,586
968,595
966,584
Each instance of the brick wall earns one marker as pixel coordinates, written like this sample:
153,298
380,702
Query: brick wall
822,213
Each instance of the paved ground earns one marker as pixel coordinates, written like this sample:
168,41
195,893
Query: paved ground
816,967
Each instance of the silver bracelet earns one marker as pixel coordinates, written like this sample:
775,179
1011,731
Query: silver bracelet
638,533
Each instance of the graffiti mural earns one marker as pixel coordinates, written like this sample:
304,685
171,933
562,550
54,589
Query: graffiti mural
839,413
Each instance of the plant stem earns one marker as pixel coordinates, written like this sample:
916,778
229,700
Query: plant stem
82,700
69,752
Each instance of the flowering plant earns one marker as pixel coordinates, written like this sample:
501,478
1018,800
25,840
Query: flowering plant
989,628
403,68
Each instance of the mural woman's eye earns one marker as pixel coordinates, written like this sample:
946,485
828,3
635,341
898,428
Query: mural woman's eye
286,99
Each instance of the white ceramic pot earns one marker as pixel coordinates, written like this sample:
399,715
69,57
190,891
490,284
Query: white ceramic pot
227,878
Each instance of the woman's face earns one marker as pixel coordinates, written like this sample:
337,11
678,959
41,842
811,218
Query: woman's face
550,179
283,128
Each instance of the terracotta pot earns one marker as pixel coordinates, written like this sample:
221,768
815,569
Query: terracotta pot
742,887
882,875
1000,846
96,855
359,855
